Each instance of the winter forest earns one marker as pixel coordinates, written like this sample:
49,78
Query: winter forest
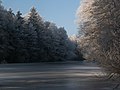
29,38
99,33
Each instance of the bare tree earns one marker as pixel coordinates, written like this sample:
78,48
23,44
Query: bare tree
99,32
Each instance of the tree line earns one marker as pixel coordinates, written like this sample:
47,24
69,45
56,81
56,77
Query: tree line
99,33
29,38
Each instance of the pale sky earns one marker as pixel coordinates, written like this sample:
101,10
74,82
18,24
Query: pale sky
61,12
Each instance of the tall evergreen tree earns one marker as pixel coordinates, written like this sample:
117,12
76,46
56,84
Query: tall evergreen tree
30,39
3,34
35,26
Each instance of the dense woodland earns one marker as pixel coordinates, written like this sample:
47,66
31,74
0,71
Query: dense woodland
99,33
29,38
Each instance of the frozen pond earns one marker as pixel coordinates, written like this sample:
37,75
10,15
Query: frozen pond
52,76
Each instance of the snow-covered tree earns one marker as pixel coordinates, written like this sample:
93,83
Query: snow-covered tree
29,38
21,51
57,49
33,27
99,23
3,34
7,30
75,48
